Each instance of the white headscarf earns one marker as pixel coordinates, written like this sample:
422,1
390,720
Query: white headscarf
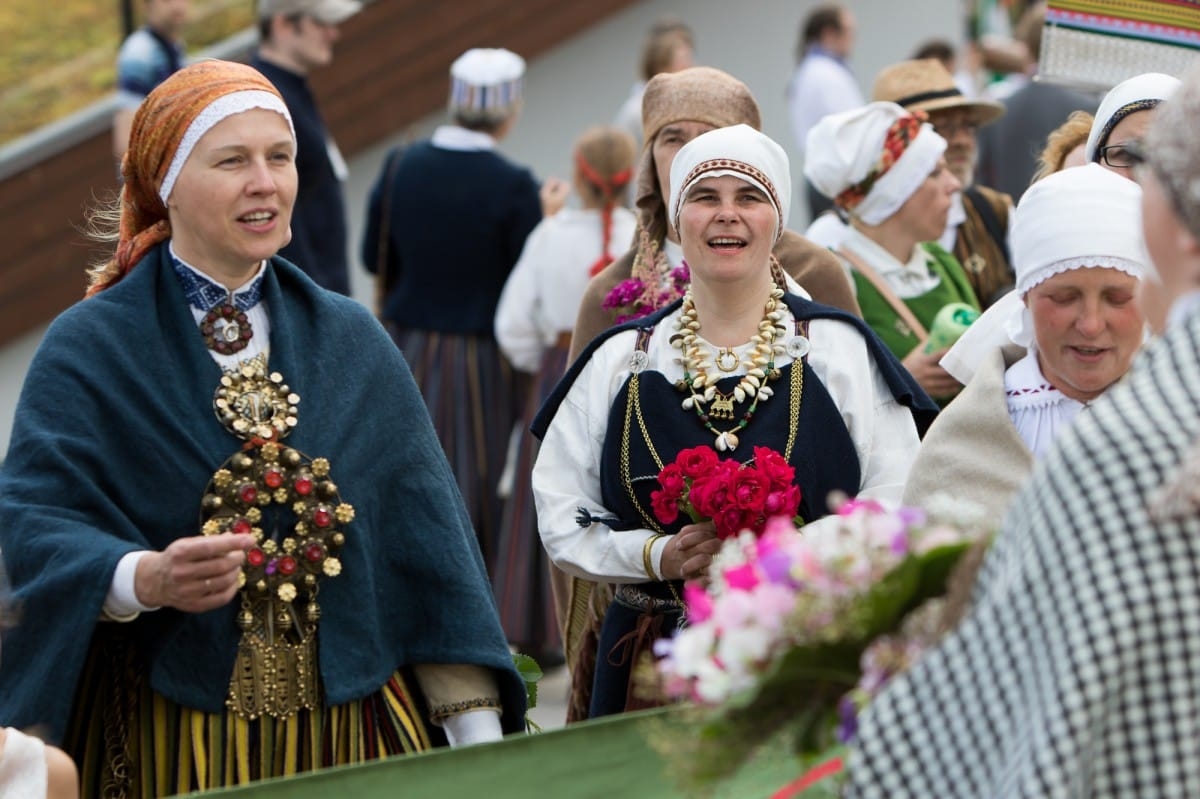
1139,93
740,151
843,149
1078,218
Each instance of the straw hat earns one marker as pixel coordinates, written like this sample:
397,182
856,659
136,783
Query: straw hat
926,85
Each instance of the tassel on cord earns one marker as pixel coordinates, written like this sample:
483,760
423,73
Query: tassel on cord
585,519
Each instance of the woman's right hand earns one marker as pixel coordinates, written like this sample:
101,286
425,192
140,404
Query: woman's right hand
926,370
192,574
689,553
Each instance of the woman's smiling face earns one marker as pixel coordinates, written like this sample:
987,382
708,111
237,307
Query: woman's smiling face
727,229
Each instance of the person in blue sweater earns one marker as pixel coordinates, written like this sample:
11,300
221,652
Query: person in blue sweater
297,36
446,222
237,545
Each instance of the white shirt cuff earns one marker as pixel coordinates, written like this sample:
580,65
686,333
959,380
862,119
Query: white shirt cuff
122,604
473,727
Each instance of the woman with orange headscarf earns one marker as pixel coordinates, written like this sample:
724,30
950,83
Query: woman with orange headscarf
211,607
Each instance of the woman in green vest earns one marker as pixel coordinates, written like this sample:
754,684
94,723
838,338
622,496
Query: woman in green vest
884,169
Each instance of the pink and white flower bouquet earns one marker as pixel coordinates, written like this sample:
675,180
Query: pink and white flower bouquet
773,643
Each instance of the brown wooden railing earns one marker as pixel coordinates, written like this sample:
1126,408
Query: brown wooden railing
391,69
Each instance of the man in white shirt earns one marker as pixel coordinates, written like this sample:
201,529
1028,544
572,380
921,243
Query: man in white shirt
822,83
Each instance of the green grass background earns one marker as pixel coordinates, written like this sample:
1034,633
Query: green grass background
58,56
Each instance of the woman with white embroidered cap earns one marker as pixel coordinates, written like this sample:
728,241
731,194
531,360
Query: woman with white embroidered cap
1067,334
808,381
1077,668
885,168
1123,118
205,605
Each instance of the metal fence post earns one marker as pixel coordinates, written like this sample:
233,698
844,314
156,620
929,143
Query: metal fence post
126,18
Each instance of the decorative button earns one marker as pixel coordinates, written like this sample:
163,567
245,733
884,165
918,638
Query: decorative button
638,361
798,347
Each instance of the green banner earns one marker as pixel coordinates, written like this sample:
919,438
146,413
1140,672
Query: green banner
605,758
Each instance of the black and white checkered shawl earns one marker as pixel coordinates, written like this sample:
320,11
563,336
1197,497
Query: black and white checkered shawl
1077,670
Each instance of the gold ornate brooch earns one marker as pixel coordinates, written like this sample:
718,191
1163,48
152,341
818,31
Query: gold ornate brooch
288,502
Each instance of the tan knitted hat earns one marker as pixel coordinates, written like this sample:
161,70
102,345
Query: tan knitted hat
698,94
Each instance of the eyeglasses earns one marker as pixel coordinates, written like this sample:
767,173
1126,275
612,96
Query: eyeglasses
1123,156
948,129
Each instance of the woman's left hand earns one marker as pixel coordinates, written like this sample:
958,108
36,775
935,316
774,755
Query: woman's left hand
689,553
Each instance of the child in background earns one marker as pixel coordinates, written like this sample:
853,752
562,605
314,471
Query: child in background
534,320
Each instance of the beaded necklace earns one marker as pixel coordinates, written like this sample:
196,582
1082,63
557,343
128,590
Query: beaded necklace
704,398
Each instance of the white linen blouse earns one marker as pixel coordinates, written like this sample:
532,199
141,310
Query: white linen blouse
1039,411
566,474
541,296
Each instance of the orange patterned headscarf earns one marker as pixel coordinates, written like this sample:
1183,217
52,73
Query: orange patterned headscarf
165,128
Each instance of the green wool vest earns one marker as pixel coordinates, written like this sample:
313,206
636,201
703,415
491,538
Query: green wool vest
952,286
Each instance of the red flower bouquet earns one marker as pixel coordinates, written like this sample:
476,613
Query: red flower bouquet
735,496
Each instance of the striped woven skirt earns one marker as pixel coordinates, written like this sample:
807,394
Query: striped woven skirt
521,580
132,743
474,399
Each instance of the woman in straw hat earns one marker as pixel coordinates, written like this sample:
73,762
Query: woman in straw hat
1077,667
212,608
741,362
1040,356
884,168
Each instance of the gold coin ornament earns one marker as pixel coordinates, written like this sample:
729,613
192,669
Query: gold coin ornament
291,506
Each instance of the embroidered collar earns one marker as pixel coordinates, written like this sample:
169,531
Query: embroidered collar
204,294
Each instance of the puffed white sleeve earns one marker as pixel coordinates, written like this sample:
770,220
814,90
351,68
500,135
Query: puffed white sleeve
515,324
566,480
884,433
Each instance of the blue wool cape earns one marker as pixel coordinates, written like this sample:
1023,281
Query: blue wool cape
114,442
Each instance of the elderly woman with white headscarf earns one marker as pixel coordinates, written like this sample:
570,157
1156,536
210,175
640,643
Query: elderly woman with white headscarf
884,168
739,362
1041,355
1076,671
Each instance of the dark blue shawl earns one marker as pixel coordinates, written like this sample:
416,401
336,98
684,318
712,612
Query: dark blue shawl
115,440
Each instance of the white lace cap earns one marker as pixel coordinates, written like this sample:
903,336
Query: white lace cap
220,109
1079,217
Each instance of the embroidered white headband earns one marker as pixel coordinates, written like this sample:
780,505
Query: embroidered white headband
220,109
740,151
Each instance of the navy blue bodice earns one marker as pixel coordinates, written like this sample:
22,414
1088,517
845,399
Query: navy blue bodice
822,453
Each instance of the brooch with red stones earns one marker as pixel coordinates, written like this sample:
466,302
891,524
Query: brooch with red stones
290,505
226,330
